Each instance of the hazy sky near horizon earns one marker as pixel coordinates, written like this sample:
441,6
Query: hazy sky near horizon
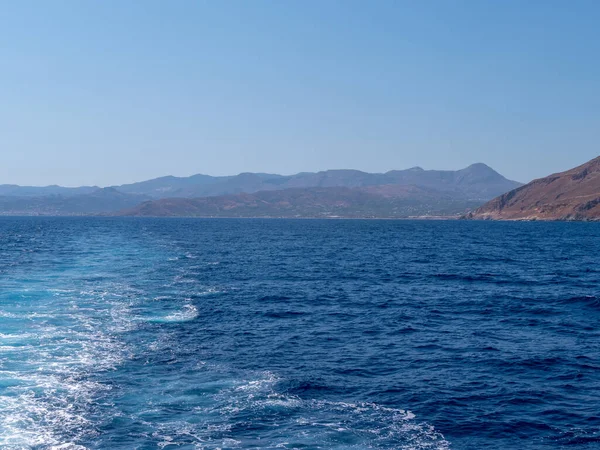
109,92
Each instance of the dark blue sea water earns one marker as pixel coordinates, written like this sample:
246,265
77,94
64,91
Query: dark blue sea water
308,334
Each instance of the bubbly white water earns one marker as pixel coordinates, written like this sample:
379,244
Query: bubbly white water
47,372
51,390
80,348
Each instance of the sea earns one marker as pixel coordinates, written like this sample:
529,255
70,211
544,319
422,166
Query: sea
124,333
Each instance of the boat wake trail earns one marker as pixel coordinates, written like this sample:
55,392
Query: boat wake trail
104,348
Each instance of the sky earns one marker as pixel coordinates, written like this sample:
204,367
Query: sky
108,92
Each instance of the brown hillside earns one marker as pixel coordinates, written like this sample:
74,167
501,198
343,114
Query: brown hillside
570,195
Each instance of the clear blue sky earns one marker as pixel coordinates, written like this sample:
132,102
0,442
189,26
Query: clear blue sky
113,91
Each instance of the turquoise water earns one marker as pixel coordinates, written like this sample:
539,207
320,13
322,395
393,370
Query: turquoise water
199,334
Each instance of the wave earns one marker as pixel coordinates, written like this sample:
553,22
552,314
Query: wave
255,413
68,446
592,301
187,313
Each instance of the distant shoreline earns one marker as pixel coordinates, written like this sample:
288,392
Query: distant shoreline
415,218
105,216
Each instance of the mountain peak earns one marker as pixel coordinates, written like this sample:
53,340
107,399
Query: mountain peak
479,171
479,167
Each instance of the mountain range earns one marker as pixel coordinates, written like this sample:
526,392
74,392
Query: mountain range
477,182
346,193
570,195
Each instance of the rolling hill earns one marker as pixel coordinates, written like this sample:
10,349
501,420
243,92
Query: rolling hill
386,201
100,201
